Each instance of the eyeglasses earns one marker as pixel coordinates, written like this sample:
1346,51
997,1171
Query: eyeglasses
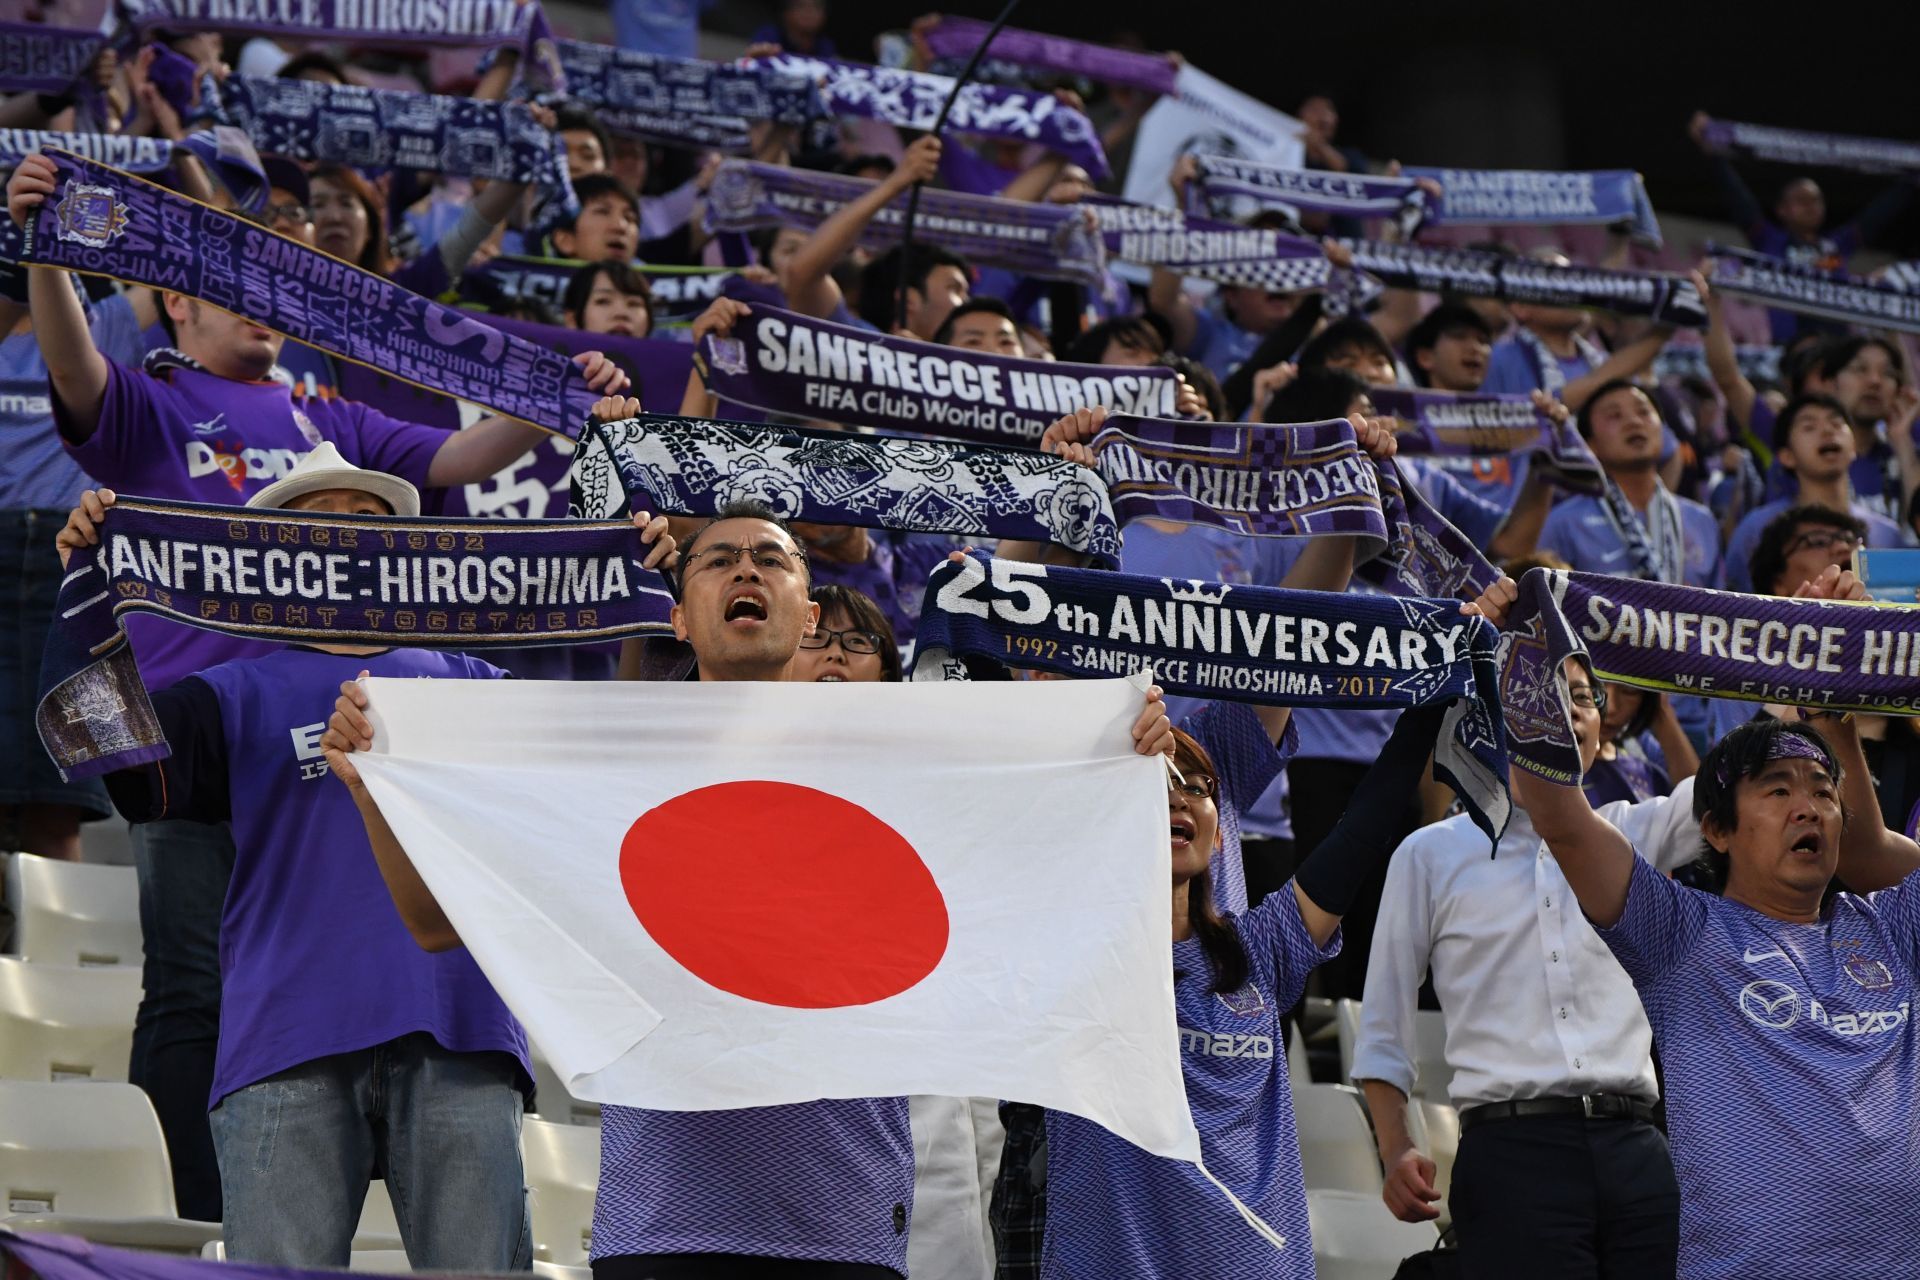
1824,540
1588,699
1194,786
853,641
288,213
770,556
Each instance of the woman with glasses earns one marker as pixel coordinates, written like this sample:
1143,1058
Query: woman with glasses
852,641
1643,749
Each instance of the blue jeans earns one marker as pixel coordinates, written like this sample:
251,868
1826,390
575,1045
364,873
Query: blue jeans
184,868
298,1149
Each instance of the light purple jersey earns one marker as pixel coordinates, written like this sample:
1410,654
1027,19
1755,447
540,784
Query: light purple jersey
34,472
1579,532
1881,532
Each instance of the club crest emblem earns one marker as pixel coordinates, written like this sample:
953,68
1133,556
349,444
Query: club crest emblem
1247,1001
90,214
1869,973
729,355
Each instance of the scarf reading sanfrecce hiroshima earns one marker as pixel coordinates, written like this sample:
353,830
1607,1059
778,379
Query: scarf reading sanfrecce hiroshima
1807,147
1488,425
1837,655
1302,480
1541,198
101,221
1834,295
693,466
324,579
1225,180
1263,645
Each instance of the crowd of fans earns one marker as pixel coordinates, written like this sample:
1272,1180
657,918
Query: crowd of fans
298,1033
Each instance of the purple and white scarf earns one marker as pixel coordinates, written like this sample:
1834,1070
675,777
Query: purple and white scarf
1806,147
379,128
1226,182
693,466
1443,424
954,37
302,576
1667,297
1220,251
683,101
100,221
1834,295
1689,640
913,99
1053,242
1541,198
787,363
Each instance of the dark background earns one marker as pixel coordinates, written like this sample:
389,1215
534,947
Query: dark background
1510,84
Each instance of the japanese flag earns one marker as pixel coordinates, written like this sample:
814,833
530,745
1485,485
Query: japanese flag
710,895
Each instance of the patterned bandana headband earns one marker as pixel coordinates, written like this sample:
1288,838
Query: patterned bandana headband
693,466
1808,148
277,575
953,37
1228,180
379,128
1297,481
1244,644
1541,198
787,363
1833,295
1663,296
1220,251
1688,640
1788,746
100,221
1440,423
1052,242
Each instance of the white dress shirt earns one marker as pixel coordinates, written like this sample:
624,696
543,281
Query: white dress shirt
1536,1006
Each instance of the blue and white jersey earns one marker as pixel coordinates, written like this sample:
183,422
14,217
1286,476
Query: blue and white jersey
1791,1072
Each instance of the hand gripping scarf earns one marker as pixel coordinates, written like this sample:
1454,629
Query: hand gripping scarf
1541,198
1227,180
1805,147
1443,424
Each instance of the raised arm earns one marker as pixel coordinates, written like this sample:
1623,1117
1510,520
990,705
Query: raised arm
1722,362
1628,362
807,279
1871,856
481,450
1741,204
76,370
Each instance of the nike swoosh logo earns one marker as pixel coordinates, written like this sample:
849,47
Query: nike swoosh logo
1753,957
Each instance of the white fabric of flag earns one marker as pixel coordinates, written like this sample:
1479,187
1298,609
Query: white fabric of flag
713,895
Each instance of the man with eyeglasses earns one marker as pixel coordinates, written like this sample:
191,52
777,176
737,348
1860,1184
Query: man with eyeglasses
1799,543
1561,1171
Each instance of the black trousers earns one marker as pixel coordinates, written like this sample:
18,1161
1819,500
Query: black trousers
729,1266
1566,1197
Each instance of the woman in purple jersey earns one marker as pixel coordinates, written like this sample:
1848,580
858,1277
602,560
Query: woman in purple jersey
1110,1209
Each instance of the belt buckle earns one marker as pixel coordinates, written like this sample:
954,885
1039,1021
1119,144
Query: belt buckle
1586,1105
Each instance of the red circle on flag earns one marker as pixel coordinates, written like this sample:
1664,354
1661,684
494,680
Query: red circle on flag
784,894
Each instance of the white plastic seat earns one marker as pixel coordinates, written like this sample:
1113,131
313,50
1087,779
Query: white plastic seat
88,1160
1356,1238
1299,1072
62,1022
1336,1146
1346,1023
72,912
1433,1078
551,1101
562,1170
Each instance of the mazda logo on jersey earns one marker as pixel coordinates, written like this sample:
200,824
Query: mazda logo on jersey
1770,1004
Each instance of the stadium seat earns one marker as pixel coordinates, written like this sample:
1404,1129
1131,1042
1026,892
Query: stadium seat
1346,1023
1442,1143
1299,1073
73,913
88,1160
563,1168
63,1022
1336,1146
1433,1078
551,1101
1356,1238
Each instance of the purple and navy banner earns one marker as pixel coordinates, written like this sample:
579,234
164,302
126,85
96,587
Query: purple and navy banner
786,363
1051,241
1488,426
39,59
1833,295
483,24
1265,645
683,101
679,293
121,151
327,579
1807,148
1151,236
1226,181
1839,656
1541,198
954,37
692,466
101,221
913,100
1661,296
382,129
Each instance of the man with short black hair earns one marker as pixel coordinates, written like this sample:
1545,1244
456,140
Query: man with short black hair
981,324
1449,349
607,224
1798,544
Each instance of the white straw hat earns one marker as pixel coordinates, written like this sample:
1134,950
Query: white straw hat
324,468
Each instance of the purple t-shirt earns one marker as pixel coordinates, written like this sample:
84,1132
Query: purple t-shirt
192,435
1790,1059
313,957
34,472
1114,1210
828,1181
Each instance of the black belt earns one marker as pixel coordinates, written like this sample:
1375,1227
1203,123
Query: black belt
1592,1106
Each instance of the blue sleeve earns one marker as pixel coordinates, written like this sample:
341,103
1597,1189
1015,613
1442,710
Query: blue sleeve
1244,757
1204,323
1700,528
1659,926
1273,932
116,333
1740,545
1899,911
1508,371
1465,510
372,439
1554,534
